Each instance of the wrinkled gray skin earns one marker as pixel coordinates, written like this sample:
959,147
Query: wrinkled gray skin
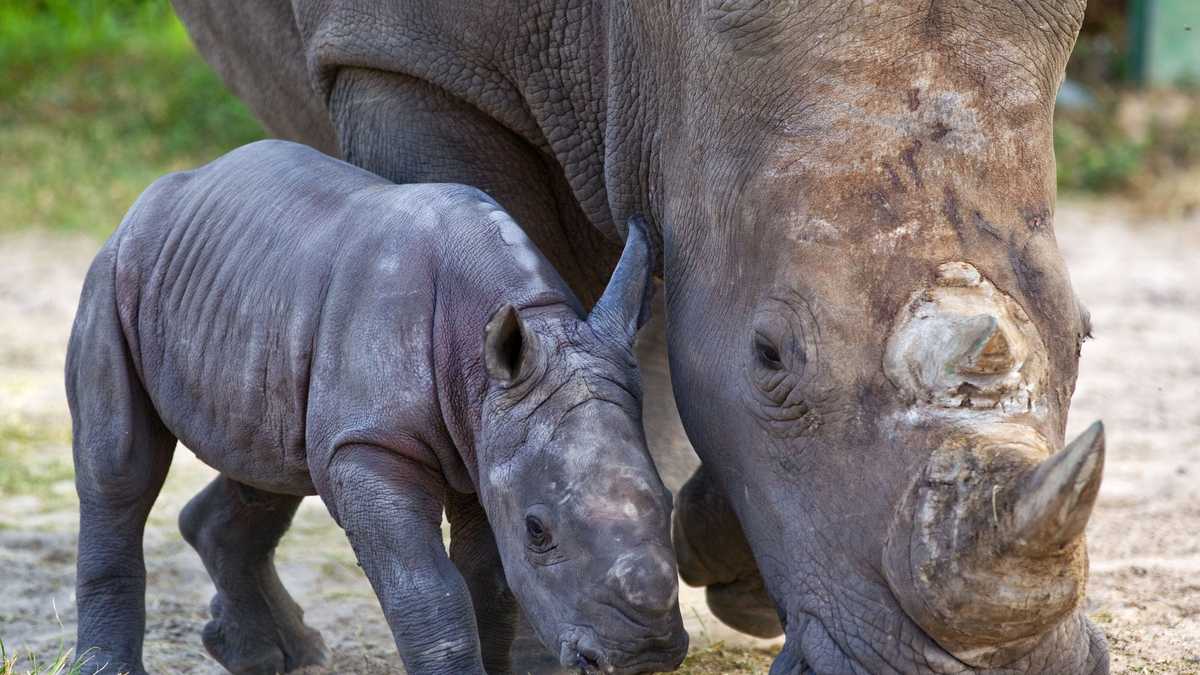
306,327
872,336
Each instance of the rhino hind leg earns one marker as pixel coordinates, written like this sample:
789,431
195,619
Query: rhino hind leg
256,627
122,454
712,551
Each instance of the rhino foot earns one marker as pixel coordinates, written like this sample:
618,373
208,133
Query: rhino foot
256,627
243,647
745,606
712,551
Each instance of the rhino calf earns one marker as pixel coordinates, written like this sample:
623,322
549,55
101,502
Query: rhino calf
306,327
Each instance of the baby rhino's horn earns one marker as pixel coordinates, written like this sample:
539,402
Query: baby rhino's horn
625,305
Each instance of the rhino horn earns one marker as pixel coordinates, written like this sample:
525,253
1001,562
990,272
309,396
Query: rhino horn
625,304
1054,501
988,351
987,551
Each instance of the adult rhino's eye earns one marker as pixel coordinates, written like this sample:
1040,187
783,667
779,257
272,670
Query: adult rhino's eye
538,535
766,353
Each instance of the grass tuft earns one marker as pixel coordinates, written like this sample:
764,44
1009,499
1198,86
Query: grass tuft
63,664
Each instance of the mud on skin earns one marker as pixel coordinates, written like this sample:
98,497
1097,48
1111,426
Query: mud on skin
306,327
809,168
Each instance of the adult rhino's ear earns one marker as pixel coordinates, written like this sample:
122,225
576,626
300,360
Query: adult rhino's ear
508,345
625,305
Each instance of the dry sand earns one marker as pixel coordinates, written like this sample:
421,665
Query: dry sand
1141,375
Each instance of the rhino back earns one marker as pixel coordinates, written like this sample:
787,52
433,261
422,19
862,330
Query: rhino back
222,280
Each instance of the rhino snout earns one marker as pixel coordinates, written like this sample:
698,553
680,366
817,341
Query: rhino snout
645,581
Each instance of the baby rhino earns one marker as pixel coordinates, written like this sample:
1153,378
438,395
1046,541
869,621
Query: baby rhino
305,327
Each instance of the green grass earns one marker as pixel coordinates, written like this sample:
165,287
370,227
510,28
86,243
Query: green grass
96,101
63,664
100,97
32,458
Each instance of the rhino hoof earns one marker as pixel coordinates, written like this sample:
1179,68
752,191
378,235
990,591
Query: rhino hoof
245,651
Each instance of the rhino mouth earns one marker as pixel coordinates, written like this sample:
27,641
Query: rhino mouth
581,649
584,656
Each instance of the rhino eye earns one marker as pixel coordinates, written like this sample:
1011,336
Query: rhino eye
766,353
538,535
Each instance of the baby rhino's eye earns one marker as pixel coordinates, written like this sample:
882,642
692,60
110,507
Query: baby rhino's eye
538,535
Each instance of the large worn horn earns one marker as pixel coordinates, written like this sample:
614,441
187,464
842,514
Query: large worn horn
1053,503
986,552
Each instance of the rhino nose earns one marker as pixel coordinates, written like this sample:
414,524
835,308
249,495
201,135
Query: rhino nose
646,580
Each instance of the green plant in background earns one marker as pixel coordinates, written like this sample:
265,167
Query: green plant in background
97,99
1093,153
1141,144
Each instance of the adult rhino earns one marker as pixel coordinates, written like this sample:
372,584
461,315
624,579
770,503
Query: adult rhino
872,336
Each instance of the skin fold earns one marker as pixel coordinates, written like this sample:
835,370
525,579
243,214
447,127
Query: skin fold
306,327
872,336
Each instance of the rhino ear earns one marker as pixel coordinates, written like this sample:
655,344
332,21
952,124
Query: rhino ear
508,345
625,305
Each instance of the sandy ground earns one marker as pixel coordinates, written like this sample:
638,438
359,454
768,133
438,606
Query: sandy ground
1141,375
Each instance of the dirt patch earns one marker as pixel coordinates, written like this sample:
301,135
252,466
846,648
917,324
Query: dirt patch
1141,375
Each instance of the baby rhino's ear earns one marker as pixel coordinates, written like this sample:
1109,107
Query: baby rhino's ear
508,345
625,305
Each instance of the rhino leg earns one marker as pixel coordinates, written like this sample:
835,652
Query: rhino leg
673,455
507,639
713,552
473,551
391,509
716,554
256,626
122,454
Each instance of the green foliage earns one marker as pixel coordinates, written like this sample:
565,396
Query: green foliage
1094,154
1129,142
100,97
97,100
63,664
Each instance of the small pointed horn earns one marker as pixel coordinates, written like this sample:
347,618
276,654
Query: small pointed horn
1054,501
989,352
625,305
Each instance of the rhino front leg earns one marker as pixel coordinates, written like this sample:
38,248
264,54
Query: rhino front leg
713,552
391,510
473,550
256,627
709,542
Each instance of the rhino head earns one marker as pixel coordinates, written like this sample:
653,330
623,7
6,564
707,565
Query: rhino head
580,517
856,207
